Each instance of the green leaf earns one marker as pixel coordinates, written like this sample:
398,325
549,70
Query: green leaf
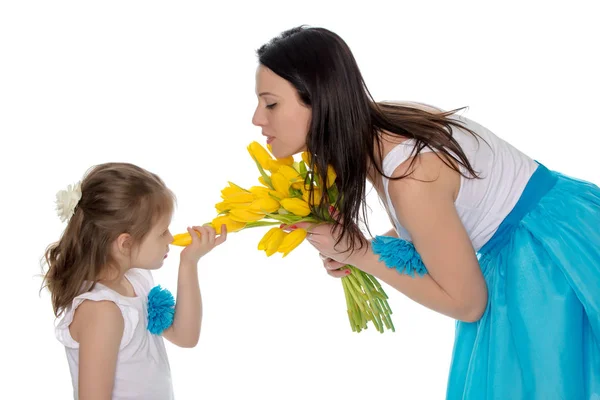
302,168
257,224
238,187
275,197
266,177
333,194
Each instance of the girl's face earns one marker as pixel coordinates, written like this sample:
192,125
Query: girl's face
152,251
284,119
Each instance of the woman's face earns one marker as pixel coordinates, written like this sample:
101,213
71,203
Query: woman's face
283,117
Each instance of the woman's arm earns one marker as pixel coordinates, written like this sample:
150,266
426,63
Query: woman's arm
424,205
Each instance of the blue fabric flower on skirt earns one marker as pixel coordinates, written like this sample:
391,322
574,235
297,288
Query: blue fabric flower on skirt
161,310
399,254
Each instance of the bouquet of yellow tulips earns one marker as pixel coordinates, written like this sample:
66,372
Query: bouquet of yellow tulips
284,198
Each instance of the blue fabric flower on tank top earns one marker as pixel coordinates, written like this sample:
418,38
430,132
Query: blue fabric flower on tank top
161,310
399,254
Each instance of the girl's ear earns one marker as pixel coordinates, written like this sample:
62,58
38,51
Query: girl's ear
123,244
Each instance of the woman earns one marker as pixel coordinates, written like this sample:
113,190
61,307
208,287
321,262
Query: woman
511,249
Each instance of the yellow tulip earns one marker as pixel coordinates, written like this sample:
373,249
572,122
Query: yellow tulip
275,165
240,197
232,189
245,215
296,206
317,194
260,154
232,225
292,175
306,158
222,206
331,175
263,182
271,241
184,239
282,161
264,205
235,200
291,241
262,245
286,161
259,191
281,184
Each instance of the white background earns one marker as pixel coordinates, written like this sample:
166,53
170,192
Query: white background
170,86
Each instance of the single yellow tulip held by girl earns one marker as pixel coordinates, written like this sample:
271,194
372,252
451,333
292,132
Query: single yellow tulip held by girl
284,199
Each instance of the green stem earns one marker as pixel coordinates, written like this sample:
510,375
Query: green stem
351,308
375,308
366,301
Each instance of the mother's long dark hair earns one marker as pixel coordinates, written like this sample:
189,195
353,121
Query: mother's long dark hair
346,121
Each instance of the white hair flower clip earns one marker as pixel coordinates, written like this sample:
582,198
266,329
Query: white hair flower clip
66,201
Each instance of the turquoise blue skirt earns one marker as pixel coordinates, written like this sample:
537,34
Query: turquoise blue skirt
539,337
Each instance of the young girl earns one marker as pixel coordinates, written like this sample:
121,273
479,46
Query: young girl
99,276
509,249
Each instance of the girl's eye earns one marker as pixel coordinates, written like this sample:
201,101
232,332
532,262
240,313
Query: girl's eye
271,106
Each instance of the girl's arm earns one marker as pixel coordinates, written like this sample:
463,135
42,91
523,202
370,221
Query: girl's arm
185,330
98,327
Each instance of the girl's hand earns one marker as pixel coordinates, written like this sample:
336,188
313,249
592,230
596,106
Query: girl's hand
204,239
